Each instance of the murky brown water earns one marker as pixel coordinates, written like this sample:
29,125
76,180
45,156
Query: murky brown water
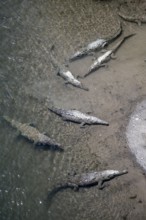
28,83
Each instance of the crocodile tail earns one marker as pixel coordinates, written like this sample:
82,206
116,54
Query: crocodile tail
126,17
54,61
116,35
84,87
126,36
55,110
123,172
54,191
123,16
78,55
60,187
7,118
57,146
50,145
129,35
88,73
12,122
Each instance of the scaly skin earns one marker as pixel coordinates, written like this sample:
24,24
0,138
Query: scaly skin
95,46
87,179
67,75
70,79
136,18
100,61
32,134
77,116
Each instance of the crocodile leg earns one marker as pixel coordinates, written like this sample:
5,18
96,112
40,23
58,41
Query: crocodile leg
113,56
73,185
102,185
82,125
66,82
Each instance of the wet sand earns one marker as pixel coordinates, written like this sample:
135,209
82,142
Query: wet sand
29,84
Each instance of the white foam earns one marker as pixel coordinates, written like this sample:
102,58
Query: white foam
136,133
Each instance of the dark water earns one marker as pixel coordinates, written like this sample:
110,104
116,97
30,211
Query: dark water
28,83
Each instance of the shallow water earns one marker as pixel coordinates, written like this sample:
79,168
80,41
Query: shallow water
28,84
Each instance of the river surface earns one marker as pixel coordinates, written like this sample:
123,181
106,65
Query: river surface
29,84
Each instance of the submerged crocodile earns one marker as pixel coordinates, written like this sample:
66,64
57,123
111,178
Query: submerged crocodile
67,75
33,135
100,61
136,18
77,116
87,179
95,45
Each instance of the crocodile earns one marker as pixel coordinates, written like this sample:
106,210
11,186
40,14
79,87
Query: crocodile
77,116
139,19
87,179
95,45
67,75
100,61
32,134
